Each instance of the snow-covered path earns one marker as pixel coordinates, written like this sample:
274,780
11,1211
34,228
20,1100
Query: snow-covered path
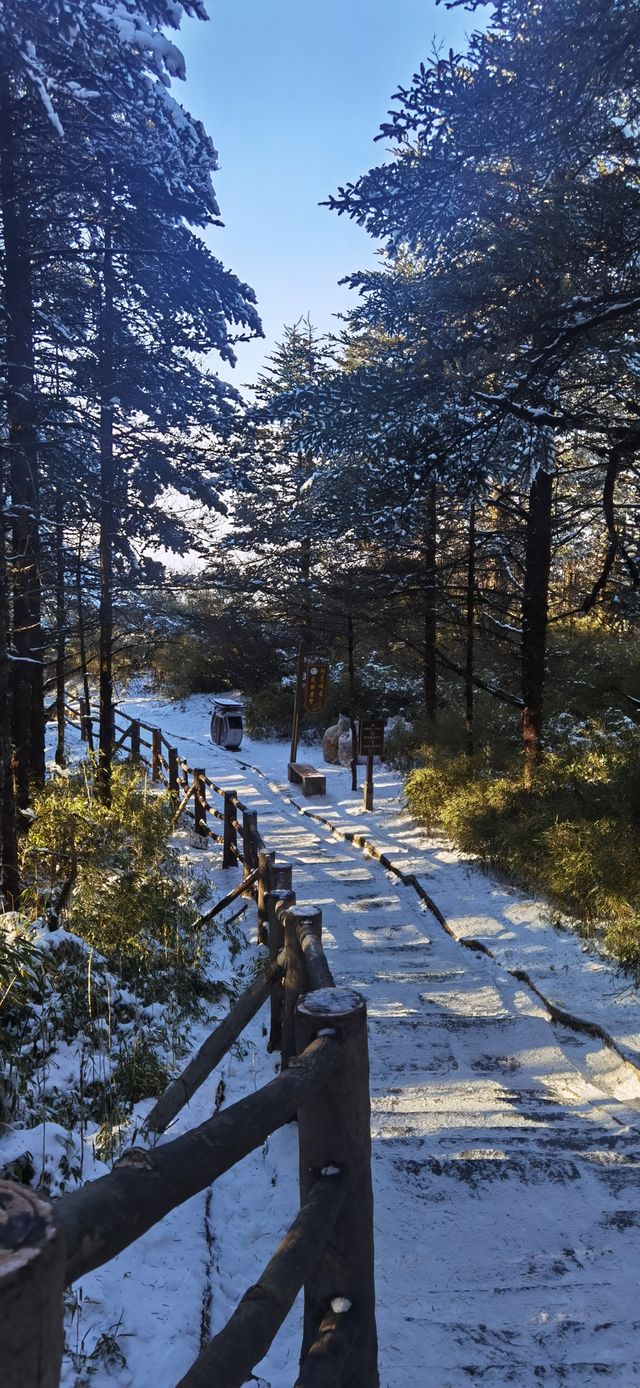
506,1147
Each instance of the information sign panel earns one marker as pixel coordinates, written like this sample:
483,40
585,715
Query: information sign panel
371,737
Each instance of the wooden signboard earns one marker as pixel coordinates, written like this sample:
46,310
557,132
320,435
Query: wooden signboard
371,737
316,683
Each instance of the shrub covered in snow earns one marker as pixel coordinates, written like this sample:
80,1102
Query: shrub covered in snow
131,898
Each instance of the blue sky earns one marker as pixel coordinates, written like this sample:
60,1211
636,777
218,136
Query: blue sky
293,93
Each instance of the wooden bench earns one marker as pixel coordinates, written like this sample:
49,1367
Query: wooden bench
313,782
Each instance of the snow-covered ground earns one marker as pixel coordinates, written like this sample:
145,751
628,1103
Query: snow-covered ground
505,1145
520,932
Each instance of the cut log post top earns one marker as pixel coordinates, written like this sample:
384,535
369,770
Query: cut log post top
332,1004
281,877
282,903
308,927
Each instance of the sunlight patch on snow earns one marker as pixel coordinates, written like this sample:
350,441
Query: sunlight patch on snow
398,935
475,925
316,900
353,874
476,1002
525,913
352,908
390,1009
312,859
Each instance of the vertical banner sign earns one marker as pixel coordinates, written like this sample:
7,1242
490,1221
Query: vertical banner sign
316,682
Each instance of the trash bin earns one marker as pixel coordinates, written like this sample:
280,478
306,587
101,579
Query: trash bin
226,724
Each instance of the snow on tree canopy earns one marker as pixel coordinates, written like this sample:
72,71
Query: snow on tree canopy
83,50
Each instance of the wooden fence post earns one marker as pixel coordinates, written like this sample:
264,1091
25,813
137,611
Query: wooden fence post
265,863
200,800
174,775
295,984
229,832
281,879
32,1278
134,730
296,978
334,1129
156,754
249,851
279,895
367,798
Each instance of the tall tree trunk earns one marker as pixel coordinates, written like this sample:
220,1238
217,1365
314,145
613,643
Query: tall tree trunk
307,610
38,716
305,647
61,618
105,752
27,686
470,620
10,874
429,670
535,608
623,450
83,646
352,699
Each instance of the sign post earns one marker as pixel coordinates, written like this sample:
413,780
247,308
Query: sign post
367,799
312,681
295,726
370,745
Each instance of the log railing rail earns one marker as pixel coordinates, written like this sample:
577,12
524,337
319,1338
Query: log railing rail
321,1032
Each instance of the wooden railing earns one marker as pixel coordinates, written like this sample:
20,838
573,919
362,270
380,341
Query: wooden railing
321,1032
192,791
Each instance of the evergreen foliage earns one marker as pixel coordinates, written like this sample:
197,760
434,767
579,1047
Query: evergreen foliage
130,899
571,838
113,306
443,498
